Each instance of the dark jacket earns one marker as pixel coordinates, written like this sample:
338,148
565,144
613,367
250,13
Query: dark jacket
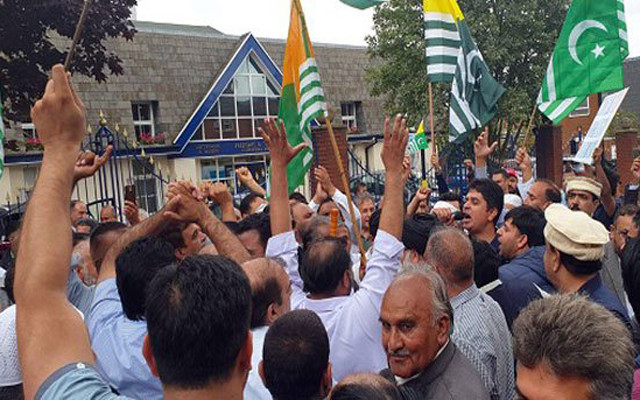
599,293
528,267
449,377
512,296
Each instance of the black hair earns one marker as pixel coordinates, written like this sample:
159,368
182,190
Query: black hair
198,314
552,193
78,237
450,196
245,203
365,391
630,263
486,263
267,293
416,231
628,210
9,278
296,356
136,266
579,267
87,222
529,221
492,194
325,201
299,197
374,222
502,172
95,240
173,235
324,262
259,222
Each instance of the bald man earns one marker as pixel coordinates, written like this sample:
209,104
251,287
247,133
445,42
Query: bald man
108,214
270,298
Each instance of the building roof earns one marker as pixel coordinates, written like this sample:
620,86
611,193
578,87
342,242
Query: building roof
176,29
632,80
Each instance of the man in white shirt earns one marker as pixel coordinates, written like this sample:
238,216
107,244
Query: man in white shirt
270,299
351,319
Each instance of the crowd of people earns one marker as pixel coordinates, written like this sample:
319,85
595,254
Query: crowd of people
521,289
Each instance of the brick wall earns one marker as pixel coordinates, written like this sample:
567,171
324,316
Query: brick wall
549,153
625,143
325,156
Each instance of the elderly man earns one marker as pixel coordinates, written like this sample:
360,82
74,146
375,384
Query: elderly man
350,318
423,361
542,194
108,214
270,299
78,211
568,347
479,330
575,246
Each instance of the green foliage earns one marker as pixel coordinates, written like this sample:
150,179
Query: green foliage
623,121
516,38
28,51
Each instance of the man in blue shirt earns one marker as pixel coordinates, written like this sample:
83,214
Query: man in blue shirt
575,246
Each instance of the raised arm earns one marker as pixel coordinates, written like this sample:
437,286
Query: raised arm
483,151
219,193
396,175
606,198
150,226
184,207
51,333
282,153
245,177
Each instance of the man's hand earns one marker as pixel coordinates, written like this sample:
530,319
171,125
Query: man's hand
482,148
59,115
393,150
132,212
219,193
443,215
524,162
186,186
244,175
435,162
320,194
597,155
322,176
183,206
88,163
423,193
276,140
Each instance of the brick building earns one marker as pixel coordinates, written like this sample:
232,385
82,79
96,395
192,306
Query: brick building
193,98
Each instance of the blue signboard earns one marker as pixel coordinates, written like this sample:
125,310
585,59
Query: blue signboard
222,148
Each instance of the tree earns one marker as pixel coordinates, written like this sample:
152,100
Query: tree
35,35
516,38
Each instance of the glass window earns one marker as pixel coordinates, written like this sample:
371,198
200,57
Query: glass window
582,110
245,127
248,98
244,106
348,111
229,130
211,129
259,106
143,118
227,108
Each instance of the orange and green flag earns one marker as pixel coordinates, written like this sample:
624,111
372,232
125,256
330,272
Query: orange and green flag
302,98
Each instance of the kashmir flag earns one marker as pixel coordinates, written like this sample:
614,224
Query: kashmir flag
362,4
441,19
302,98
474,92
588,57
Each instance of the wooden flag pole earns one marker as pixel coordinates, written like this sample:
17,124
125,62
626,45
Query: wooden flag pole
77,34
529,126
433,134
345,183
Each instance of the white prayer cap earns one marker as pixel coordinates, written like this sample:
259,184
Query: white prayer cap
10,372
575,233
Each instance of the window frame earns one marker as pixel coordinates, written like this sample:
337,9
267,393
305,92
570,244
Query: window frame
141,122
582,111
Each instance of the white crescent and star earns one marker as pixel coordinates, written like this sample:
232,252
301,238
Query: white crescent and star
577,31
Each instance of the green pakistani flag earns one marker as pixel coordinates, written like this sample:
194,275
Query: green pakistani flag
474,92
588,57
362,4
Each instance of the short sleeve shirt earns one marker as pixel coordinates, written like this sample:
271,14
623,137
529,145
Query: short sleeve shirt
76,382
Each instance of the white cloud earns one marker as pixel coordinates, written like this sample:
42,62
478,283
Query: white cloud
329,21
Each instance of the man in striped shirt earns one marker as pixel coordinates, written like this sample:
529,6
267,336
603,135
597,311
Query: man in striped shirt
479,329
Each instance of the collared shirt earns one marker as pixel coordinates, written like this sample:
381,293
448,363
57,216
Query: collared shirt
352,322
481,333
255,389
117,344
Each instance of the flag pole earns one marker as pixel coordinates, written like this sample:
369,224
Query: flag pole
77,33
345,183
433,134
529,126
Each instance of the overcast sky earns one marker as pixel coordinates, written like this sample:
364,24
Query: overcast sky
329,21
